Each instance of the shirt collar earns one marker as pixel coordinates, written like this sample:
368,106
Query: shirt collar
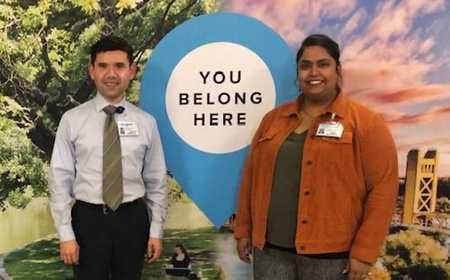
338,106
100,103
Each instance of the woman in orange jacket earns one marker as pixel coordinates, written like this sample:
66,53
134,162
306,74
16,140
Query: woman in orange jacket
320,182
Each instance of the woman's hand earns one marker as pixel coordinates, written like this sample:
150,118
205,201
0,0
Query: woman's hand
357,270
244,249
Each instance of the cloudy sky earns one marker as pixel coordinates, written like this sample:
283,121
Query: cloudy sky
395,57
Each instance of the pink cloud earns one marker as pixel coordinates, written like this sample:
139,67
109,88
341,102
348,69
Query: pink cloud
428,144
387,58
427,45
415,95
396,20
409,96
386,64
428,116
353,22
379,76
292,19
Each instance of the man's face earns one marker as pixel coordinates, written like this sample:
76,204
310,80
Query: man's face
112,73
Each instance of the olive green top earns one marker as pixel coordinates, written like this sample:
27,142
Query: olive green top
283,207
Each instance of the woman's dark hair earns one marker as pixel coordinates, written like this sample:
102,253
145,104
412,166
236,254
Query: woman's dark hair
323,41
185,262
178,245
111,43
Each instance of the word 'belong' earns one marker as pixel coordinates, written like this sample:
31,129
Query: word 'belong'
223,98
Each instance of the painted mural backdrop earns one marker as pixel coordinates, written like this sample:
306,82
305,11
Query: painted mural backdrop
395,57
396,60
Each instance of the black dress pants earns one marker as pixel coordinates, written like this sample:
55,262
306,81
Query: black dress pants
112,244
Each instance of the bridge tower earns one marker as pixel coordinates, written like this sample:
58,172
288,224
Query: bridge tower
420,188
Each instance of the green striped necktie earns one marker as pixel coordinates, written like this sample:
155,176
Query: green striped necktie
112,162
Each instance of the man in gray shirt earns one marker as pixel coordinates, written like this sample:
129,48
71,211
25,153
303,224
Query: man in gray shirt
108,157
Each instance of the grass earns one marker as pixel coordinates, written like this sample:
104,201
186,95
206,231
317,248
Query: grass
40,260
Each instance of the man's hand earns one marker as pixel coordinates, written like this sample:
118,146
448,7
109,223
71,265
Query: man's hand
357,270
154,249
69,251
244,249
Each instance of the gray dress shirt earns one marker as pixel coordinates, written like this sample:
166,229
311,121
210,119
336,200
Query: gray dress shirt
76,164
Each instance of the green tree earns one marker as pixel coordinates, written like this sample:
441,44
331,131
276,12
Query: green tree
44,52
44,49
175,191
412,254
20,164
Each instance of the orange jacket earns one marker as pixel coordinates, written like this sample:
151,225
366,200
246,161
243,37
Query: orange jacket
348,186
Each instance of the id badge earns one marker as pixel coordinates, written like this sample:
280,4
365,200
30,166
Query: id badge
127,128
330,129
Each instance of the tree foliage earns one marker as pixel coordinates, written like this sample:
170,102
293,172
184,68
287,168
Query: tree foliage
409,254
20,164
44,49
44,52
175,191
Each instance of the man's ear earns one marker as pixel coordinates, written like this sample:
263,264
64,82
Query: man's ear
91,70
133,68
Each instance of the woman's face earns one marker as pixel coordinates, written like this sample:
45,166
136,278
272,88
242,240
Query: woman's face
178,250
317,73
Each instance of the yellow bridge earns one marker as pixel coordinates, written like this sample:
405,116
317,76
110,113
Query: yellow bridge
419,205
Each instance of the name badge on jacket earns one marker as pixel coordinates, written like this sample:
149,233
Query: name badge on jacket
127,128
330,129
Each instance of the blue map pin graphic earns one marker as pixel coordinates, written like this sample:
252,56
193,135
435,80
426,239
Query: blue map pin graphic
208,83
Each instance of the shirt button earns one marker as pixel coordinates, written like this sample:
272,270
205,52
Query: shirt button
304,222
309,162
307,192
302,248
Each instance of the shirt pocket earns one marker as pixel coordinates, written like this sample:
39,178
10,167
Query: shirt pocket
133,149
267,136
340,161
267,145
264,155
338,153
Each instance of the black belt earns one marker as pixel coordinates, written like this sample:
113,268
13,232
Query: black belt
105,208
332,256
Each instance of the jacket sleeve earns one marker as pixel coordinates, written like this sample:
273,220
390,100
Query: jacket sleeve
243,223
380,167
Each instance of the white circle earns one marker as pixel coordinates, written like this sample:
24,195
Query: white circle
217,95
